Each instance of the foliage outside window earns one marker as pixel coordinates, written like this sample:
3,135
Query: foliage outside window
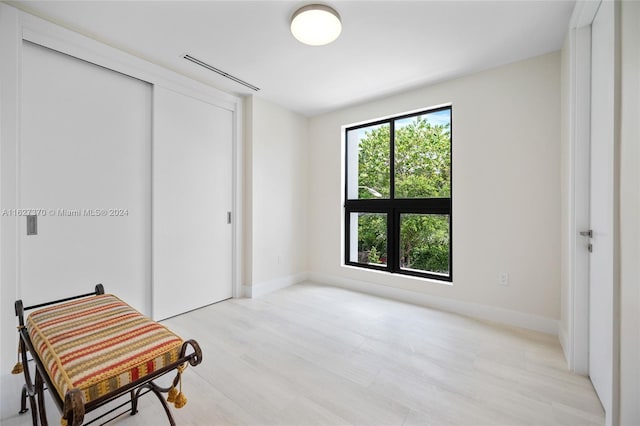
398,194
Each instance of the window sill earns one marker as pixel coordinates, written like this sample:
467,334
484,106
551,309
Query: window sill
409,278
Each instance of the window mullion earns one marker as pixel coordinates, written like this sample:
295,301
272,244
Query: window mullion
393,235
392,160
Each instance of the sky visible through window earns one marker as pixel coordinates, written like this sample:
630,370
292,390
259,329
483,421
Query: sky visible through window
441,118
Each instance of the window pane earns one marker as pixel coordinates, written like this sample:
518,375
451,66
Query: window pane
368,162
368,238
424,243
423,155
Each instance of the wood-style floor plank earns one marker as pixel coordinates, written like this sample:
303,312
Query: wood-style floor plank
317,355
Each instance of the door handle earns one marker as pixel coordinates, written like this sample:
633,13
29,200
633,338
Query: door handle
588,233
32,224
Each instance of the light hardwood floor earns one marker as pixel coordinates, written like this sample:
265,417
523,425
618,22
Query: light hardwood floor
316,355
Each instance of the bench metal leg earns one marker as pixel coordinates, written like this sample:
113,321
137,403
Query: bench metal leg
28,389
23,400
134,402
32,402
156,390
40,393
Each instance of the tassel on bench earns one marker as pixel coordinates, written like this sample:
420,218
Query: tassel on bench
18,368
175,397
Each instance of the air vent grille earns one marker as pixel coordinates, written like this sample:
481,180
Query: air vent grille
222,73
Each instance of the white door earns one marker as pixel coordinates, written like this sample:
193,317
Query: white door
601,274
85,164
192,200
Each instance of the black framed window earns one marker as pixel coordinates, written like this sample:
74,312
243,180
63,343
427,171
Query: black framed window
398,194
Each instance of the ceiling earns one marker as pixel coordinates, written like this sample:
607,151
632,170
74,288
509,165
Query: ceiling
385,46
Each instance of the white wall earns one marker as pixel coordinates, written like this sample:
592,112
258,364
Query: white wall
630,215
276,197
506,192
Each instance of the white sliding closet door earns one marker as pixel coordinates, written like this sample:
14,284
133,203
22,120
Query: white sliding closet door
85,161
192,199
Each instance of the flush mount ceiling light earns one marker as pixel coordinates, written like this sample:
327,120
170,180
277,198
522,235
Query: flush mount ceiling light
316,24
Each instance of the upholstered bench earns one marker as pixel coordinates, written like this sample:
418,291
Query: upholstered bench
93,348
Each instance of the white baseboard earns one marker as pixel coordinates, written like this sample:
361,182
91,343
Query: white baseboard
475,310
266,287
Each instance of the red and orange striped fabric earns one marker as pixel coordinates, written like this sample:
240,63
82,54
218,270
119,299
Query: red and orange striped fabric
99,344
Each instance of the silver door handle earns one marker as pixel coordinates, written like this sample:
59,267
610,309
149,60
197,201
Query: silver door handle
588,233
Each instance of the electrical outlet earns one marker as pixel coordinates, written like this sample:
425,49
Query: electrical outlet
503,279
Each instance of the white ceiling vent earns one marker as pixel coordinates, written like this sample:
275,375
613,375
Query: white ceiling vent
222,73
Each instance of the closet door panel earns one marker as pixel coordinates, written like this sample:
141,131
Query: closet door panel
192,197
85,165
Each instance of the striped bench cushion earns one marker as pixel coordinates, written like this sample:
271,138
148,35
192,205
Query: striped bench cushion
99,344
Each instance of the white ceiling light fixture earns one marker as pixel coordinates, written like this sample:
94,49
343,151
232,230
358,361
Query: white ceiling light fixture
316,24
